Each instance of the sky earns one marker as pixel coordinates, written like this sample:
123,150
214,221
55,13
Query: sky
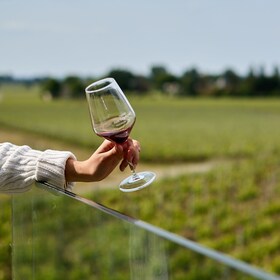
90,37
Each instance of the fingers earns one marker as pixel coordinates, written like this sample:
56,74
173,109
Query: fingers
123,165
133,153
103,161
105,146
129,152
108,148
132,150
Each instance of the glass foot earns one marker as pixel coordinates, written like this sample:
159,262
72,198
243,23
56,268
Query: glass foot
137,181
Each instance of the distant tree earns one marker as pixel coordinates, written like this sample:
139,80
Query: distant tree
247,84
73,87
6,79
161,78
141,84
265,85
157,71
52,87
190,82
124,78
276,74
276,82
231,83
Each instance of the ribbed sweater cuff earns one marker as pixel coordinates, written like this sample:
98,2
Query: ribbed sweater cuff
51,168
20,166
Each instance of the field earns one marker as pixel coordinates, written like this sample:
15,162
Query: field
234,208
169,129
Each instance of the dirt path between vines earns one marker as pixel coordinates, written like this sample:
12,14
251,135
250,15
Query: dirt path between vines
163,171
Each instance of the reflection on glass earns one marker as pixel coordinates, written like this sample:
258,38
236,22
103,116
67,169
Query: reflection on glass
147,256
59,235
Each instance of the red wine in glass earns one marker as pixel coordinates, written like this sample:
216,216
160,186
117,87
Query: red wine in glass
118,137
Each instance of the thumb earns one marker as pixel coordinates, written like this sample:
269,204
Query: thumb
118,150
109,148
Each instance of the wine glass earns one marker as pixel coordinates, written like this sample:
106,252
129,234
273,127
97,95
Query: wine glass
112,117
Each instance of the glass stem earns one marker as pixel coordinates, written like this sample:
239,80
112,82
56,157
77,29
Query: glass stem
135,177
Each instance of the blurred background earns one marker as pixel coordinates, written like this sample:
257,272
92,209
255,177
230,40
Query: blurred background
203,78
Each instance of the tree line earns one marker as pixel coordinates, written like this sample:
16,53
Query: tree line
192,83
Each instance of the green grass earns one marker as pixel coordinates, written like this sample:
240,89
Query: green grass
168,129
234,208
5,238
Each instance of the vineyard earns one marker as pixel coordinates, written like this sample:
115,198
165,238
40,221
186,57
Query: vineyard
234,207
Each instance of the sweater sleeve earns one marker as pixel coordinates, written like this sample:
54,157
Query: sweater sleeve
21,166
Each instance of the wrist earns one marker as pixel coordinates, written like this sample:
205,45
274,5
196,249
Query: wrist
72,170
77,171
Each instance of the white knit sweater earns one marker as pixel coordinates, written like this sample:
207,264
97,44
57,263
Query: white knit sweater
21,166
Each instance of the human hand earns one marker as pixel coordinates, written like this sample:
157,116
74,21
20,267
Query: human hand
103,161
131,150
